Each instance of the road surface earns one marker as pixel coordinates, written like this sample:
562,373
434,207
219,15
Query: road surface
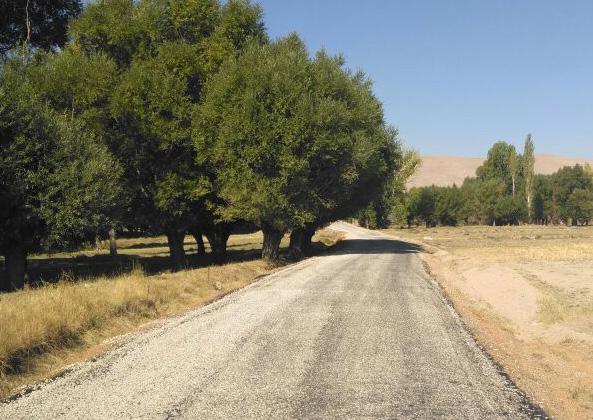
362,332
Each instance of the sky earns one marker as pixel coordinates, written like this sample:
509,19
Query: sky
456,76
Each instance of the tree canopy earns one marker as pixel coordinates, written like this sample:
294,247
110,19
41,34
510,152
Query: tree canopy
293,140
173,117
45,202
506,191
38,23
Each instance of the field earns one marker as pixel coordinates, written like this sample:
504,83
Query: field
149,254
60,323
527,294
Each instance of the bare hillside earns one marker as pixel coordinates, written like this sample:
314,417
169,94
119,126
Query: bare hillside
449,170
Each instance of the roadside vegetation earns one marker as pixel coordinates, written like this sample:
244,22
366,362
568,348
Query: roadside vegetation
155,155
165,118
505,191
513,251
68,321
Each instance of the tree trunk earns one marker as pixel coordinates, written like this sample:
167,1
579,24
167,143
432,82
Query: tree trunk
15,268
295,248
271,246
529,207
197,234
307,248
112,243
218,237
175,238
300,242
513,177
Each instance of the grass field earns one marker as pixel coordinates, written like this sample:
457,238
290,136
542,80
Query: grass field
46,328
149,254
527,293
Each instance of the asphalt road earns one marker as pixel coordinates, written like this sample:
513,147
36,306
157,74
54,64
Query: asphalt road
360,333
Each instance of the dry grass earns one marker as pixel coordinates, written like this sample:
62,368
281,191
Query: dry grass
550,311
46,328
74,316
508,243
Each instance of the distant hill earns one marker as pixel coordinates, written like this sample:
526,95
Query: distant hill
449,170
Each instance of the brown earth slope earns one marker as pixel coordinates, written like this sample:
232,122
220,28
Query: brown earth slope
449,170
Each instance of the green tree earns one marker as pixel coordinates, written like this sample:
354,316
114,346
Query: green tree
510,210
351,154
564,182
542,204
164,52
423,205
410,161
254,121
77,84
513,169
449,206
37,23
411,202
153,116
121,29
481,199
57,179
295,142
579,206
501,163
529,173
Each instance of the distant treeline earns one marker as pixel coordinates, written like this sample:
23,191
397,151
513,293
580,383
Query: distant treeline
175,117
505,191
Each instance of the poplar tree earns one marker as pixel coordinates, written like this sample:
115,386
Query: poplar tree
529,172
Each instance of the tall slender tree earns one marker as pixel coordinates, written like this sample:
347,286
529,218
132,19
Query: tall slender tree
513,169
529,172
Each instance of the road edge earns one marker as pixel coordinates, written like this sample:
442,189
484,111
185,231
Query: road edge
113,343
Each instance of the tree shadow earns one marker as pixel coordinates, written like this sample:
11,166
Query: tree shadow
152,245
79,268
374,246
82,267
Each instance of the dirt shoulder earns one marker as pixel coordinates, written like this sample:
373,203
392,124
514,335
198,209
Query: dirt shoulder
527,295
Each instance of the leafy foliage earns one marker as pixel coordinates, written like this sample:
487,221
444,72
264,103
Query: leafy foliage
563,197
42,22
295,141
176,116
44,201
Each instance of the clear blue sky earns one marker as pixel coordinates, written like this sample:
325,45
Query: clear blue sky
455,76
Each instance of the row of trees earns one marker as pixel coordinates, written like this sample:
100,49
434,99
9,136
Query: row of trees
506,191
173,117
